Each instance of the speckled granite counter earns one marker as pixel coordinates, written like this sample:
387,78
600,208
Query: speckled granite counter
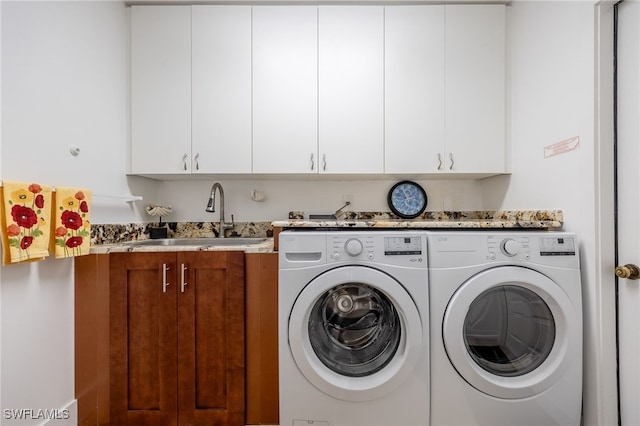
503,219
114,238
111,238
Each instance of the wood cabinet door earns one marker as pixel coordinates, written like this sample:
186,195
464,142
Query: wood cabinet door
261,314
143,339
160,89
211,338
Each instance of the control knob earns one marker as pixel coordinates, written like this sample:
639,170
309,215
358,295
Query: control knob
510,247
353,247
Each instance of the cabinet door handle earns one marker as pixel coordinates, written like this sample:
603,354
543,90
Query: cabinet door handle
313,164
324,162
165,284
183,284
451,159
195,159
184,162
439,162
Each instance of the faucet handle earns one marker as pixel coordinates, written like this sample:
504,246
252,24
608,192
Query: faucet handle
230,225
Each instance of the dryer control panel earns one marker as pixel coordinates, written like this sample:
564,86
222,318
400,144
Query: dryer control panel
452,249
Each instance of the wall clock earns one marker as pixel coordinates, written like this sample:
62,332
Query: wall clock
407,199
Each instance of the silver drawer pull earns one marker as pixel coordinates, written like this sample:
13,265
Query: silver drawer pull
183,284
165,284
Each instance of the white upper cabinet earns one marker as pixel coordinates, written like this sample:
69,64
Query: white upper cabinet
414,88
339,90
221,89
445,89
160,89
285,89
351,89
475,69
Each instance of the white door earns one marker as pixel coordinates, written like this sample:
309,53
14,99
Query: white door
285,89
221,89
414,88
351,89
160,89
475,49
629,208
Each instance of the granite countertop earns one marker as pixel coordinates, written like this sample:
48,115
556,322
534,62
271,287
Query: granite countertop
130,237
503,219
118,238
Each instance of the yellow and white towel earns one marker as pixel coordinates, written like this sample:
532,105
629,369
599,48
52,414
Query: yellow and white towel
72,219
26,221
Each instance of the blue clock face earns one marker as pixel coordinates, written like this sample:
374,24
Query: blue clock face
407,199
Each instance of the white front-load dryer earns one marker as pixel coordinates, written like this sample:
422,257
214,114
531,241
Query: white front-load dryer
353,328
506,328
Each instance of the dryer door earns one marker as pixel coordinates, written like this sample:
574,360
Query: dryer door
507,330
355,333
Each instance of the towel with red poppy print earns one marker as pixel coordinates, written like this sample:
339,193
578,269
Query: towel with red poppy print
72,227
26,221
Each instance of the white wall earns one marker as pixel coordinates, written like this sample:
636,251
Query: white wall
553,50
63,85
311,196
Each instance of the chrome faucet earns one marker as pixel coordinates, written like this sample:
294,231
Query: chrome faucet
211,208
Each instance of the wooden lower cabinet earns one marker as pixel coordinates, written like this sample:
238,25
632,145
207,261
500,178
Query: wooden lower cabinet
262,389
176,339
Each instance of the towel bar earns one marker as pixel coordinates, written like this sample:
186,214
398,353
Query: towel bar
126,198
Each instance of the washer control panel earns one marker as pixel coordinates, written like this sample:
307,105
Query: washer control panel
393,248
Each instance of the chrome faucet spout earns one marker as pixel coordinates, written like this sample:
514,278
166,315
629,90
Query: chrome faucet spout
211,207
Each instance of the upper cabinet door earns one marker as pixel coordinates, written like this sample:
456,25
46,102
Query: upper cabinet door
285,89
414,88
475,88
221,92
351,87
160,89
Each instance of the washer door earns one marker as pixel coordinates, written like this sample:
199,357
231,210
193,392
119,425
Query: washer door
506,331
355,333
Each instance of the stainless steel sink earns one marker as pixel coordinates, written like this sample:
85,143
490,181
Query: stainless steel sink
204,242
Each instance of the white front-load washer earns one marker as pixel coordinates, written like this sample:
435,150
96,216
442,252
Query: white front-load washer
353,328
506,328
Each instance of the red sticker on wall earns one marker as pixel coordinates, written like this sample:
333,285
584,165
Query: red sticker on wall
562,147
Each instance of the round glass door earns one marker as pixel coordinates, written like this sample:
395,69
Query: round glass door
506,331
354,329
355,333
509,330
